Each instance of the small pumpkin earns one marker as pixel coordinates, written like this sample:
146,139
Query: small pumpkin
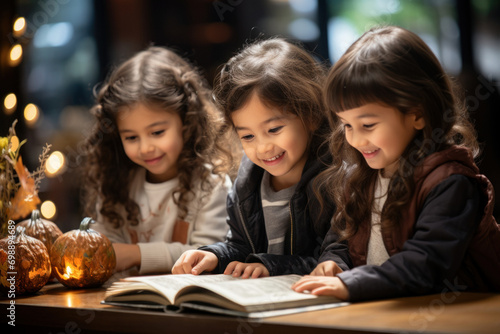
82,258
41,229
26,263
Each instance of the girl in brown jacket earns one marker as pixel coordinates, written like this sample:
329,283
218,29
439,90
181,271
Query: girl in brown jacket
414,216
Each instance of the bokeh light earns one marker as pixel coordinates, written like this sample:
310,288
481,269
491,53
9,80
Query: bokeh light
16,55
10,103
31,114
55,164
19,27
14,143
48,209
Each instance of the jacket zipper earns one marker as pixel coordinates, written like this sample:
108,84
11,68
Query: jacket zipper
246,229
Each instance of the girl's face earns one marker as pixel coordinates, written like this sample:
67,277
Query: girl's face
152,138
273,140
381,134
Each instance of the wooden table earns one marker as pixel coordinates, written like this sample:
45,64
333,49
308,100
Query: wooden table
56,309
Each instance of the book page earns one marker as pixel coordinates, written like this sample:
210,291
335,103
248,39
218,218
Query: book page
265,293
170,285
260,314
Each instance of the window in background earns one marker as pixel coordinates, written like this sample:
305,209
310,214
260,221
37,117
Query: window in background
59,70
486,38
61,58
433,20
294,19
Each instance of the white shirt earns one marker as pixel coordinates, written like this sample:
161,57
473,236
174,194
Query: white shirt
377,253
206,221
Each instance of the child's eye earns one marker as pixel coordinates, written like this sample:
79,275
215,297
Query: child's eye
347,126
159,132
369,126
276,129
247,137
130,138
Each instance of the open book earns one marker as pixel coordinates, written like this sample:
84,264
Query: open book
258,297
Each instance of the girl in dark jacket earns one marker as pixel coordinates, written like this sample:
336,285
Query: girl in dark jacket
271,94
412,208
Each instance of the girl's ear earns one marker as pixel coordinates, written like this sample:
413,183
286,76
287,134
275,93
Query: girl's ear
419,120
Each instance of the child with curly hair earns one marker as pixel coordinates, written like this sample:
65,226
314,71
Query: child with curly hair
156,174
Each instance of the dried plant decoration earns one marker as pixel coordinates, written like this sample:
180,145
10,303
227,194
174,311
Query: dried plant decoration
18,186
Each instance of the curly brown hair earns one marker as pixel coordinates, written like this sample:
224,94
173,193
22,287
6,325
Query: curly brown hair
393,67
155,76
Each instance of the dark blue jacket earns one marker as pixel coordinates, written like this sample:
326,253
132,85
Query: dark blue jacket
247,239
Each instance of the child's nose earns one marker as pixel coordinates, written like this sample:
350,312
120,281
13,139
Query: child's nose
146,146
264,147
357,139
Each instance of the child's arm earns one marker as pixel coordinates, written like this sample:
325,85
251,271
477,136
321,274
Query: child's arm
127,256
208,227
334,258
334,252
327,268
431,259
237,246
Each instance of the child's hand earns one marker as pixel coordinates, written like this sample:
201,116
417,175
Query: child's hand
322,285
195,262
327,268
246,270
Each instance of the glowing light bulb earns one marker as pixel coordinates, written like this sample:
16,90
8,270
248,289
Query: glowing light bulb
48,209
31,114
19,27
10,103
16,54
55,163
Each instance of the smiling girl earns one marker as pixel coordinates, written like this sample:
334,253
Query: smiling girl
271,94
155,173
412,207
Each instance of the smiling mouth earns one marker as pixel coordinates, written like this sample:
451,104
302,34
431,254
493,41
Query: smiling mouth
152,161
370,154
274,158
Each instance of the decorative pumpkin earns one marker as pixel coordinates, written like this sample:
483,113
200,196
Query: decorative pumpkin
82,258
26,263
41,229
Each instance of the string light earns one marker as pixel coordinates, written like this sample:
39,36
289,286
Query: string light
19,27
10,103
48,209
55,164
31,114
16,55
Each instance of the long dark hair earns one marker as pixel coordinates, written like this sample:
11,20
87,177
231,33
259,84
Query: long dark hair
160,77
393,67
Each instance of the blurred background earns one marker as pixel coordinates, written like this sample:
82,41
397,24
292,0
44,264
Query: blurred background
53,53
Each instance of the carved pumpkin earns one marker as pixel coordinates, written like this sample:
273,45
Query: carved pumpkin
41,229
26,263
82,258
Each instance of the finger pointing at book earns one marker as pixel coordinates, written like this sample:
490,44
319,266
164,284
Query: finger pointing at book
195,262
